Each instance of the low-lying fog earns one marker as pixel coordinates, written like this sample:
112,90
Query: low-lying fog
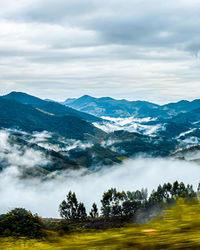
44,197
130,124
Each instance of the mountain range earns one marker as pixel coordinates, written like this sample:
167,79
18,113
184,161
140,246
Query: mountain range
107,106
90,133
176,117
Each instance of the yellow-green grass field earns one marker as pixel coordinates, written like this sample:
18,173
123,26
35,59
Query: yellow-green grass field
179,228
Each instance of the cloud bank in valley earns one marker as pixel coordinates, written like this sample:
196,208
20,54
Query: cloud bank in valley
18,156
130,124
44,197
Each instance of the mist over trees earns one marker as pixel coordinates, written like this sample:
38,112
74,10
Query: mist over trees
124,206
127,204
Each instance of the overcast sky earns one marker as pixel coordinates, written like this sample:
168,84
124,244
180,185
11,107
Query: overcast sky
134,49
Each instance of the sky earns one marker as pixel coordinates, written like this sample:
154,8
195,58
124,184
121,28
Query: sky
132,49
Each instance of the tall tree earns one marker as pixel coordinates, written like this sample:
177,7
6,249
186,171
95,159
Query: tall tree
94,211
71,209
81,211
112,203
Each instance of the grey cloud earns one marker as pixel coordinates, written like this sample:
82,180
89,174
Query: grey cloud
51,11
153,28
139,23
134,23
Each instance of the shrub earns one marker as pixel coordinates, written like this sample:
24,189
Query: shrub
20,222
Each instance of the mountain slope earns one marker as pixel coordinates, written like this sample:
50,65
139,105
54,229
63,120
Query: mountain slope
182,106
25,117
40,154
107,106
181,123
49,107
134,144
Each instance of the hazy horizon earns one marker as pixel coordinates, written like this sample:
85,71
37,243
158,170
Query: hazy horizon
79,96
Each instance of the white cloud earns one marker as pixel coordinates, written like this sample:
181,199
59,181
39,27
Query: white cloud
130,124
44,197
16,156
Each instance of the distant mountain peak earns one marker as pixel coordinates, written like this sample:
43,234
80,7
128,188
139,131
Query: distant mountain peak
86,97
107,106
22,97
106,99
50,107
18,93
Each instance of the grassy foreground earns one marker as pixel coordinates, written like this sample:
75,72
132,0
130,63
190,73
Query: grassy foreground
178,229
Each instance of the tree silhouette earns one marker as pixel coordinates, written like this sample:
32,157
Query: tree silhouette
94,211
71,209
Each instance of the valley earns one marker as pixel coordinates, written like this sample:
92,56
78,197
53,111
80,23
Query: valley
70,139
46,145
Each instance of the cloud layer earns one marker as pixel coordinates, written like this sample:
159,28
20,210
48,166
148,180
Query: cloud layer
125,49
130,124
44,197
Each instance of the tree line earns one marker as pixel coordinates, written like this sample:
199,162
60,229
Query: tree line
127,204
114,205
